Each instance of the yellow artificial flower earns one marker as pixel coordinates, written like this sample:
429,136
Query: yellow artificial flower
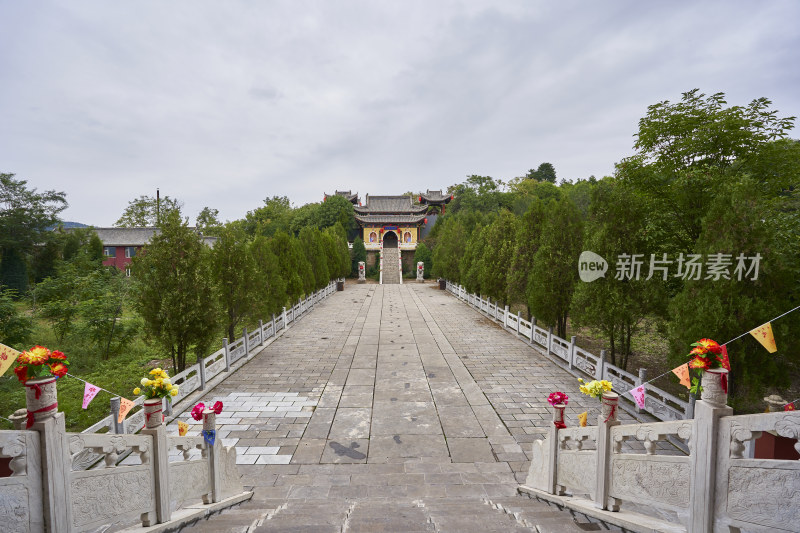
167,382
155,371
144,382
174,391
137,391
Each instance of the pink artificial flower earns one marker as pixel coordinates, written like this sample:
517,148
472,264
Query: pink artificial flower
558,398
197,411
217,407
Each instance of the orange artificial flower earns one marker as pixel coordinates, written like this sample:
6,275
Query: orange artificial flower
38,355
701,363
55,354
58,369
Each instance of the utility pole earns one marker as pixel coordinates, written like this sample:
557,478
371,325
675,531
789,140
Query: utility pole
158,208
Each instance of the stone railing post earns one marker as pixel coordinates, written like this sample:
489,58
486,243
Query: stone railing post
116,427
549,340
274,326
571,352
246,342
642,379
605,421
201,371
211,453
552,457
160,459
533,329
261,334
56,461
505,317
227,354
519,315
703,458
601,364
284,317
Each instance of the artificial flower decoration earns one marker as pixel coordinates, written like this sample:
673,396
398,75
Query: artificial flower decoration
217,407
789,407
40,362
159,386
197,411
706,354
595,388
558,398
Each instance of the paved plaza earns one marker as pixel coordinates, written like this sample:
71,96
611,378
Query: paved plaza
390,391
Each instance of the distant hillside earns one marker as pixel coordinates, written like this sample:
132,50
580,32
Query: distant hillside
68,224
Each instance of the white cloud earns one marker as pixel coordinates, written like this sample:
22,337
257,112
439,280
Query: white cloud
226,104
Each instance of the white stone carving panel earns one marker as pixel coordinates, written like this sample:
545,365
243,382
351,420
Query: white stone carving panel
15,516
230,478
651,479
764,496
103,496
188,481
577,471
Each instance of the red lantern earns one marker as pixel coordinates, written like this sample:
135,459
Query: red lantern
451,196
425,221
381,230
420,199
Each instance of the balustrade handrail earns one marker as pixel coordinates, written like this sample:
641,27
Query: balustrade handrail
580,362
196,377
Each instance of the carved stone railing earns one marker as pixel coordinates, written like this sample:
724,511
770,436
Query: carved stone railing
45,492
196,377
636,478
21,492
578,361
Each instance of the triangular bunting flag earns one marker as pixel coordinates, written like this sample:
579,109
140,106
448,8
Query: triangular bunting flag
638,395
210,435
726,364
89,392
582,418
183,427
7,358
763,334
683,374
125,405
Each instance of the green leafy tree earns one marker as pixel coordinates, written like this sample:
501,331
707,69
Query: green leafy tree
359,254
525,247
25,216
498,253
271,285
311,242
744,221
451,242
423,254
235,278
273,217
338,249
294,268
102,299
336,209
147,211
207,222
545,172
15,327
174,291
470,264
553,277
619,304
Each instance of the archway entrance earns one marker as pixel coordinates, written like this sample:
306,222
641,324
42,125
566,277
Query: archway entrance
390,239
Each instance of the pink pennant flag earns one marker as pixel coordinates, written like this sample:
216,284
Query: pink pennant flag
638,395
89,392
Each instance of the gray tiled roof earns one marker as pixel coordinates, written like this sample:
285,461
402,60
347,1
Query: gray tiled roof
136,236
389,205
125,236
390,219
435,197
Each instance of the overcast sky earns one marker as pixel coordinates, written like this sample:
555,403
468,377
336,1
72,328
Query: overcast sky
223,104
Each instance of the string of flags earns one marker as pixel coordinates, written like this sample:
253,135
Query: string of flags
763,334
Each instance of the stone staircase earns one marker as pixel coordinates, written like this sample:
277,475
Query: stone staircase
438,515
391,273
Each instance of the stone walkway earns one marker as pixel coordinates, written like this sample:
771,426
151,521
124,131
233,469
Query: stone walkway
390,391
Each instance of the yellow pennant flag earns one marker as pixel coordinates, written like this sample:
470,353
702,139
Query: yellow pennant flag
763,334
683,374
183,427
582,418
125,405
7,358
